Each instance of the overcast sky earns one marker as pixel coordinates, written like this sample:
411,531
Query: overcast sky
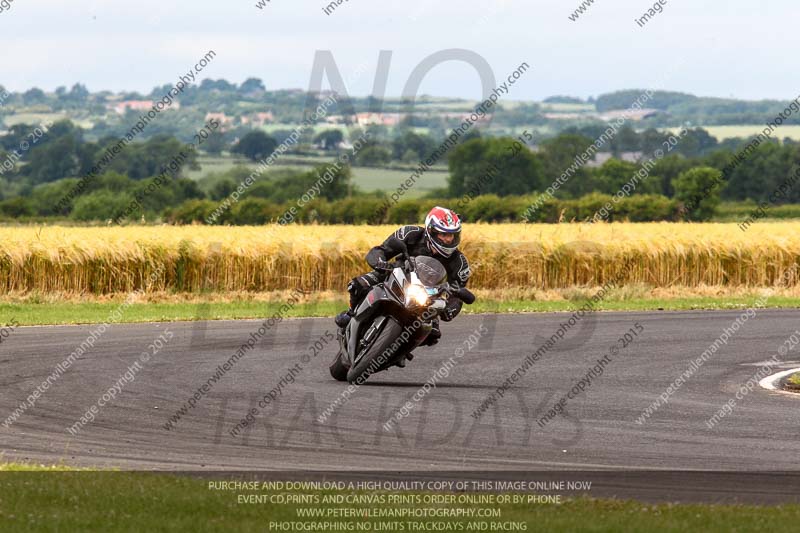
735,48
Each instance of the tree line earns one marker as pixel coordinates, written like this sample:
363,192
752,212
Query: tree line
480,170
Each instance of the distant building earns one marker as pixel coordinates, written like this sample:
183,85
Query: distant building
257,119
133,105
222,118
634,115
565,116
380,119
340,119
260,119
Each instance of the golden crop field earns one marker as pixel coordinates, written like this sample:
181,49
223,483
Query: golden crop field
220,259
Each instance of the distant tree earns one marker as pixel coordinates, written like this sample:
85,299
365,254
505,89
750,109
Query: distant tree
78,93
222,189
695,190
559,154
252,85
45,197
208,85
16,133
379,132
651,140
329,139
279,135
410,157
659,100
100,205
667,169
34,96
626,140
255,145
64,127
334,186
560,99
192,211
760,173
614,173
731,144
696,142
186,189
521,114
593,131
215,143
373,155
474,133
158,92
494,166
16,207
421,145
160,153
59,158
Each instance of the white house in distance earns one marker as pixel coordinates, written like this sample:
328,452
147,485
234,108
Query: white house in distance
258,119
222,118
136,105
382,119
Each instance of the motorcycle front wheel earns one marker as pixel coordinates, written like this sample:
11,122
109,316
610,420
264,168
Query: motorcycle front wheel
337,368
377,354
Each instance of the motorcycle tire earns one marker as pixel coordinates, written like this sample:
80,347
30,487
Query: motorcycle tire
365,367
337,368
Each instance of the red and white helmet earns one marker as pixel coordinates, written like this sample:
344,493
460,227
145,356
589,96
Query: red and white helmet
443,221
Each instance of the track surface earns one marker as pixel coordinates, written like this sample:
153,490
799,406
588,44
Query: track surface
599,431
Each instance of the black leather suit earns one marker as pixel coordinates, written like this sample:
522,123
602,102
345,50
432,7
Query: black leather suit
414,240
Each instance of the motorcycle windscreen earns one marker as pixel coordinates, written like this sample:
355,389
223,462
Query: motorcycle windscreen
430,271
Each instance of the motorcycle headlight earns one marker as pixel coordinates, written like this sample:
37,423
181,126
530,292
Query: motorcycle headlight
417,294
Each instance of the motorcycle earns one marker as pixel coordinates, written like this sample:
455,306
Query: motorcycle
394,318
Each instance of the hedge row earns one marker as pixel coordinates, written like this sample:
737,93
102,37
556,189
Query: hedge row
373,210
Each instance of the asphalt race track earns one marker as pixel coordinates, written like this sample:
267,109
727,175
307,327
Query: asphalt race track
598,430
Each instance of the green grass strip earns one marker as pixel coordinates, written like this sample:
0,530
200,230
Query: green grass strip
106,501
29,314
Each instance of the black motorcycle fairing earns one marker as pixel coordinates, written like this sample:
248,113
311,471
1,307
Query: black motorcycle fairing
379,303
373,329
363,315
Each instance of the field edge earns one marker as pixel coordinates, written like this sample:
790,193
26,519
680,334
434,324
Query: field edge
20,313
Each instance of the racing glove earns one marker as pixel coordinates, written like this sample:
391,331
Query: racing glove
383,265
451,310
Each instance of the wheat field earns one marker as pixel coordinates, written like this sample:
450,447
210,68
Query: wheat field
83,260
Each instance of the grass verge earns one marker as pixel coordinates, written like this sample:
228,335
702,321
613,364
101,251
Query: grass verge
793,383
70,312
40,499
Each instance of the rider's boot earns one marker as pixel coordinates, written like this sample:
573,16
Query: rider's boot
402,362
354,289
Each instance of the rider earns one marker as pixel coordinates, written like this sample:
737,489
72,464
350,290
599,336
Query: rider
439,238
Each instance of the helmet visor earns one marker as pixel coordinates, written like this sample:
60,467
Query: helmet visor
447,240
